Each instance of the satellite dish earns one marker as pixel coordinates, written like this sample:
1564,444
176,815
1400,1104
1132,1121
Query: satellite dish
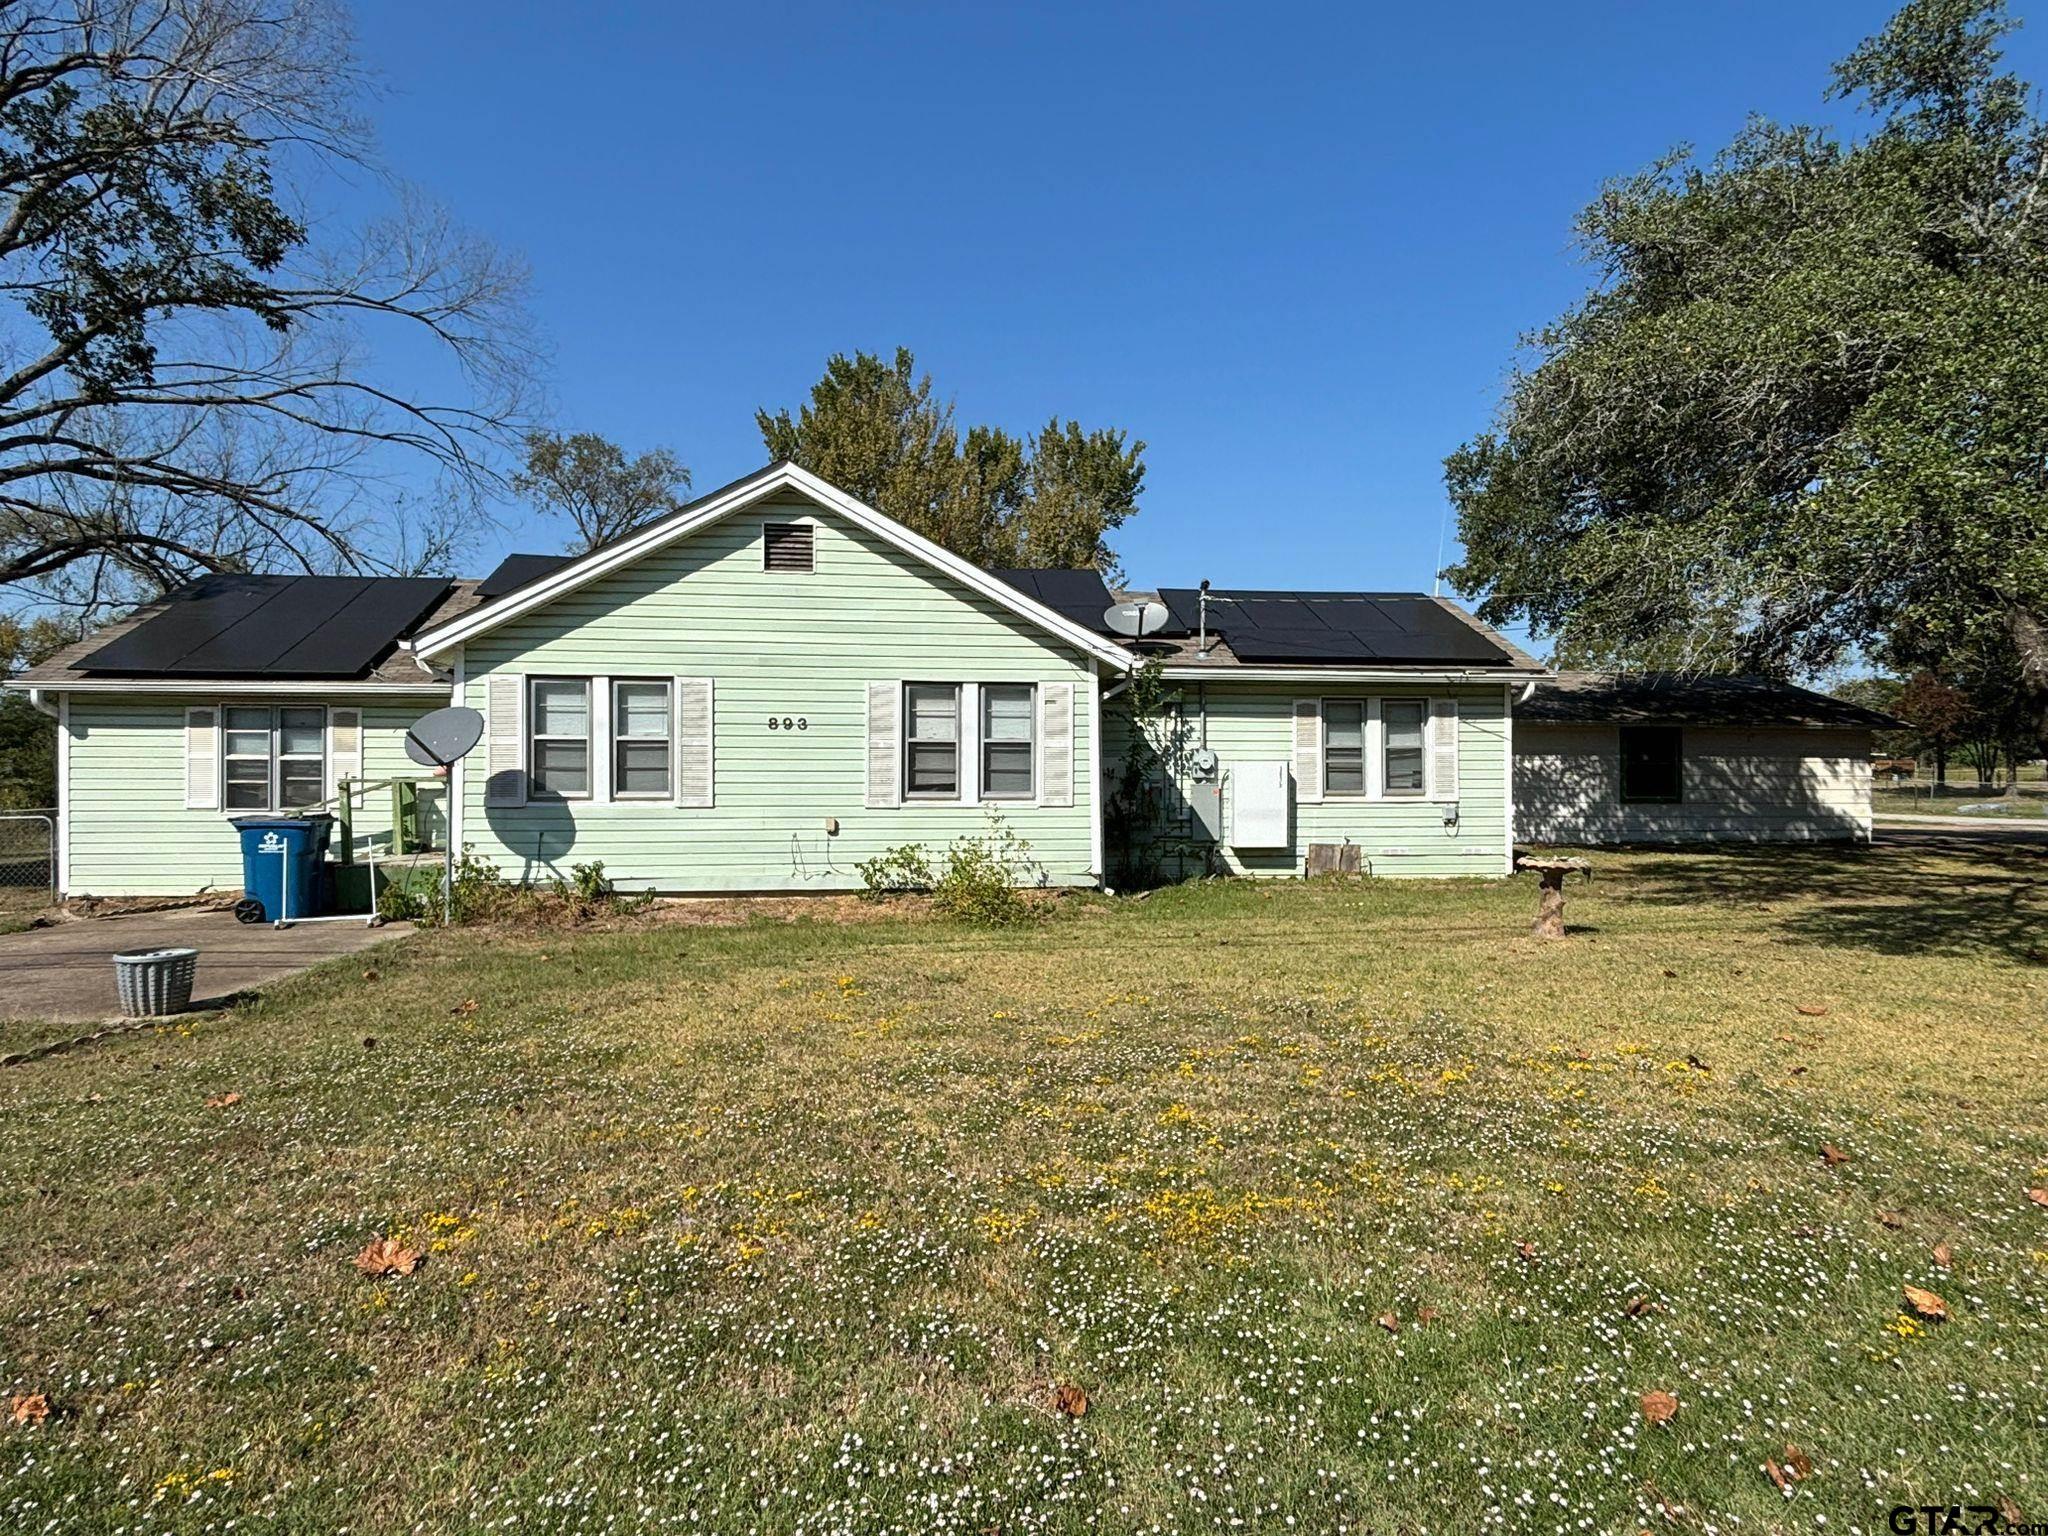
1137,620
444,737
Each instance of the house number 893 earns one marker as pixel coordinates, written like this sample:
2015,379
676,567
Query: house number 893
788,723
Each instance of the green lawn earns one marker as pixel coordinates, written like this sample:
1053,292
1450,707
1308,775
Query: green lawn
1953,799
796,1226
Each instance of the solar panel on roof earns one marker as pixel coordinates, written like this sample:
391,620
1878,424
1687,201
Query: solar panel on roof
1401,628
515,571
1080,595
271,626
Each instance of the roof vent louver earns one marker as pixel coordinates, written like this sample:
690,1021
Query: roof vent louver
785,546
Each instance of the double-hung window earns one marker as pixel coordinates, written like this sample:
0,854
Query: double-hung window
1009,745
931,743
641,743
1344,747
1404,756
558,709
273,758
1653,764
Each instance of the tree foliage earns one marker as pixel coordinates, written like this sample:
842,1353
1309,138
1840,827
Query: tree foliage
28,737
187,359
590,481
873,428
1799,415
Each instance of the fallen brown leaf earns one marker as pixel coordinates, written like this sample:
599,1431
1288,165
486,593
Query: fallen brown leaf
467,1005
2038,1196
222,1101
1640,1306
1832,1155
1070,1400
29,1408
387,1256
1526,1252
1944,1255
1798,1463
2009,1512
1658,1407
1389,1321
1776,1474
1926,1303
370,974
1812,1010
1891,1219
1424,1316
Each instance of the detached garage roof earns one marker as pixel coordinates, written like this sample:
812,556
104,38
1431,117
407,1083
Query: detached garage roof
1675,698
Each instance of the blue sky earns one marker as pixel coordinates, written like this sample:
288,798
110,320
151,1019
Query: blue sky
1291,248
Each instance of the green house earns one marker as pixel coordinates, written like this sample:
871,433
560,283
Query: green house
770,686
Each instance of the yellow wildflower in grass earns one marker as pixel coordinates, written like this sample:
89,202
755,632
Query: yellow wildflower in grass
1176,1113
999,1226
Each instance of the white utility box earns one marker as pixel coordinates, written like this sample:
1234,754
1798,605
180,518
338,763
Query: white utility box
1258,804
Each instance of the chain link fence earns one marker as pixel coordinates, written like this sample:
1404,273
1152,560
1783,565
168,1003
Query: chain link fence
28,859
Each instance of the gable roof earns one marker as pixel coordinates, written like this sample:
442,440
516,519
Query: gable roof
1673,698
748,491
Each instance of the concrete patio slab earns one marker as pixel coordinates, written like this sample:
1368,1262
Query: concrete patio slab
67,971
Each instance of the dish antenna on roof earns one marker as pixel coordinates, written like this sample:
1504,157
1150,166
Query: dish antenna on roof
1137,620
440,740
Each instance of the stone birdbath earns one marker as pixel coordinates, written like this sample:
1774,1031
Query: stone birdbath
1550,873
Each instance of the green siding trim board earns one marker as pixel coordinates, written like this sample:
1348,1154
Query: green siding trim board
777,645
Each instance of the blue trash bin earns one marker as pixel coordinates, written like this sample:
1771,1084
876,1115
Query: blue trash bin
281,858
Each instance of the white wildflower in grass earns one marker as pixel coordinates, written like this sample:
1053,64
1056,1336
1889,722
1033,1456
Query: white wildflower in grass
1381,1217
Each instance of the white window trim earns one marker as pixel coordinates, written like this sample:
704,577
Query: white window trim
534,791
1421,793
961,793
666,795
273,784
1365,747
1375,739
983,792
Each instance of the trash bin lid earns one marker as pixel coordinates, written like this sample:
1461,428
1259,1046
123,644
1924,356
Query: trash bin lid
145,956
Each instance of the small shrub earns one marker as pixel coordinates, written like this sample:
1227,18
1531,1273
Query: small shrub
586,882
896,871
979,884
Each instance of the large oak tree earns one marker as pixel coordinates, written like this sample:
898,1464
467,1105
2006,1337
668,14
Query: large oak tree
1801,413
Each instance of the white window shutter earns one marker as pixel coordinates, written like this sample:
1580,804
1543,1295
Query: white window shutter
202,759
1055,743
1308,751
695,754
506,719
344,748
1443,749
885,745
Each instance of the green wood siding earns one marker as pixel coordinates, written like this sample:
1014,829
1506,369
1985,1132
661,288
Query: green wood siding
782,645
1250,722
130,831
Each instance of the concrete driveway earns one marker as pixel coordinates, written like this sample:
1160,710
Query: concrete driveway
67,971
